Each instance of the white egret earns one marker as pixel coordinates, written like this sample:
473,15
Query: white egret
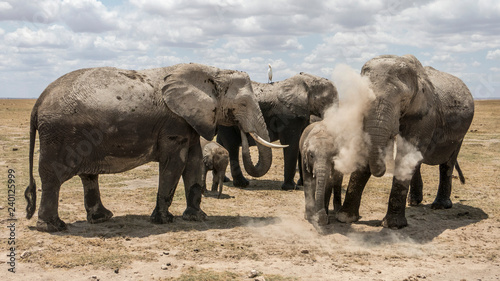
270,74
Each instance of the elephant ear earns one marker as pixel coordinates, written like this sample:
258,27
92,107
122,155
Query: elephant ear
190,91
294,95
424,92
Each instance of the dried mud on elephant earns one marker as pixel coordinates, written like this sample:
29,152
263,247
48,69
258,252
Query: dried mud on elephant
260,227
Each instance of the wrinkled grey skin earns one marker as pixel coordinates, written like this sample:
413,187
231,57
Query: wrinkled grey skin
215,159
430,109
107,120
287,107
318,149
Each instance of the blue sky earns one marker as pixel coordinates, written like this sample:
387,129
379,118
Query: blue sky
44,39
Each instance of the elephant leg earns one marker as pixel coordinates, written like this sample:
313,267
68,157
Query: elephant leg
234,164
416,187
96,212
290,137
337,191
215,181
192,184
204,171
300,182
172,163
48,214
395,217
442,200
229,138
349,212
220,181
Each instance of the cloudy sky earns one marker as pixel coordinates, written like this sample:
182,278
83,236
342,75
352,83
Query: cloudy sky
44,39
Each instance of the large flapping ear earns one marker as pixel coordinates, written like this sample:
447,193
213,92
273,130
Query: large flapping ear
424,90
293,94
190,91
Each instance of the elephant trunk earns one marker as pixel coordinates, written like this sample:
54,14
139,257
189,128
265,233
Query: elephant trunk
265,153
380,124
321,174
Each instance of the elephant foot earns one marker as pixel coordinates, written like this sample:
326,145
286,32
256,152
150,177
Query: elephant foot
394,222
54,225
288,186
161,217
101,215
226,179
415,200
191,214
300,182
240,182
441,204
346,217
320,217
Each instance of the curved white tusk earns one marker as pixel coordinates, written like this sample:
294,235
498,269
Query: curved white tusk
266,143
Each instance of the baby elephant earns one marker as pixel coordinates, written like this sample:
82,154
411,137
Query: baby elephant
215,158
317,149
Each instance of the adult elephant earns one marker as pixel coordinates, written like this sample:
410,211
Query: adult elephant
108,120
431,111
287,107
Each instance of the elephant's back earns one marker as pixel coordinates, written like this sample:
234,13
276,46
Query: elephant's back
451,90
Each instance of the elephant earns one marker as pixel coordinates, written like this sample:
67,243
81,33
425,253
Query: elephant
215,159
287,107
431,111
318,151
107,120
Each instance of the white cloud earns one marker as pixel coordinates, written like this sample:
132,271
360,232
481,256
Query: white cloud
493,55
88,16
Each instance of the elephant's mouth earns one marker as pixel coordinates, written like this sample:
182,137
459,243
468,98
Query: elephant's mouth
262,141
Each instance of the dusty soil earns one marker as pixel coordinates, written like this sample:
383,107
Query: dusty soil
260,228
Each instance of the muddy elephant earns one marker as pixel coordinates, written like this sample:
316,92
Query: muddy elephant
318,151
287,107
431,111
107,120
215,159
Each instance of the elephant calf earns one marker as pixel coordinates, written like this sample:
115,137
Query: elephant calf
317,148
215,159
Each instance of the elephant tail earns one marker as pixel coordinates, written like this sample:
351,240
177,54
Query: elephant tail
460,174
30,192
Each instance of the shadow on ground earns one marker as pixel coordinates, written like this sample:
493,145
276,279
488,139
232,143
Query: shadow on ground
424,224
139,226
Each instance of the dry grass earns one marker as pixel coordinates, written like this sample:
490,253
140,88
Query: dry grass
261,227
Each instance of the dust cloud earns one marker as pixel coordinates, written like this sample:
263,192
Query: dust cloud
345,122
407,157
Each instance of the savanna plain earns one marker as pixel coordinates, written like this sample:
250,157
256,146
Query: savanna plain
258,232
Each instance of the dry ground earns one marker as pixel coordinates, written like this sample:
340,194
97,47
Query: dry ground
258,228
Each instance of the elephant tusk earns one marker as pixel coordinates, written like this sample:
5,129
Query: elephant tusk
266,143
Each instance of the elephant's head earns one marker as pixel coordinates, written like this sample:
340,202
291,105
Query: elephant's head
207,96
402,89
321,94
308,95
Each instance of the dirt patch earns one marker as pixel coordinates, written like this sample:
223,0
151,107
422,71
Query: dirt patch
258,231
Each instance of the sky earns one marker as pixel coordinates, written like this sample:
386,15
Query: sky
44,39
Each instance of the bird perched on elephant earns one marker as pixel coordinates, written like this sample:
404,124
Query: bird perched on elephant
318,150
107,120
215,159
287,107
431,112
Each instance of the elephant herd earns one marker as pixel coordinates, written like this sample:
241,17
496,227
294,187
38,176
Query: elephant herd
107,120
